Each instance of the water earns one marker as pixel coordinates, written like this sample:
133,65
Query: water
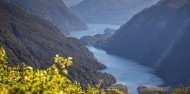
125,71
93,30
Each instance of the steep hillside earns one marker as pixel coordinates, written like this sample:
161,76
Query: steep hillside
54,11
31,40
176,64
153,36
98,39
110,11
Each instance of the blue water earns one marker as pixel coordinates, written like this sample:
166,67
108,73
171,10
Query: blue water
93,30
125,71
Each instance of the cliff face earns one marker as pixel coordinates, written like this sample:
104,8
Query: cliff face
153,36
110,11
54,11
31,40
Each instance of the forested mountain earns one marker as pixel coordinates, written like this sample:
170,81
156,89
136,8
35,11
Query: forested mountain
158,37
174,66
110,11
35,42
54,11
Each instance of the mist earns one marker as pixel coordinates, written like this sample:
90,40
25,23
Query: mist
110,11
70,3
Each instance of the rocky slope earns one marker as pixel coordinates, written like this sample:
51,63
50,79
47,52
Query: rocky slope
120,87
110,11
162,90
153,90
33,41
54,11
158,37
175,65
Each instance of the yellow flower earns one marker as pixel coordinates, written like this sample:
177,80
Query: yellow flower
28,67
61,92
70,58
41,74
45,72
56,55
56,59
25,77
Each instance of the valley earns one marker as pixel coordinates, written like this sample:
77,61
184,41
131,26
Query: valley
107,46
127,72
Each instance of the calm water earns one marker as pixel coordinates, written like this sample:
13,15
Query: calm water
93,30
125,71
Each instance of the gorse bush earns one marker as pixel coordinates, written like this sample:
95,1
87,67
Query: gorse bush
181,90
26,80
115,91
3,55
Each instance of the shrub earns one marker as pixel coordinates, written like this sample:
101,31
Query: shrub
181,90
26,80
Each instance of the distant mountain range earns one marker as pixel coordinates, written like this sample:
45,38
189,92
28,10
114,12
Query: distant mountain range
110,11
54,11
31,40
159,37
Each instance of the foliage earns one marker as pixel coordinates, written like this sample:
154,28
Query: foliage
3,55
115,91
120,87
181,90
35,42
26,80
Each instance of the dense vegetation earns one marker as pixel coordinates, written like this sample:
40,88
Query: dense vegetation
54,11
98,39
158,37
26,80
181,90
33,41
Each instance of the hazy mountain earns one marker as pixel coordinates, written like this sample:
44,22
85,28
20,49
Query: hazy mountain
31,40
174,67
54,11
70,3
158,37
98,39
110,11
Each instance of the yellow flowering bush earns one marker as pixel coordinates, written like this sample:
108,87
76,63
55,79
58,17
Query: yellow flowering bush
181,90
115,91
26,80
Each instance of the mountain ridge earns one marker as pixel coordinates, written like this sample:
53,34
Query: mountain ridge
110,11
31,40
54,11
151,37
